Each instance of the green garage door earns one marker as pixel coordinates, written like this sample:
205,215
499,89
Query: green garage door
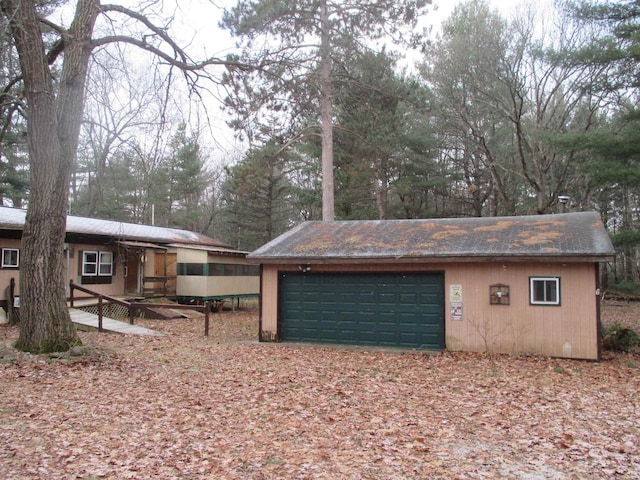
399,310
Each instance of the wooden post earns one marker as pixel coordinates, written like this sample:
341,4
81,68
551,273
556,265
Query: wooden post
71,293
207,309
164,284
10,313
100,313
132,312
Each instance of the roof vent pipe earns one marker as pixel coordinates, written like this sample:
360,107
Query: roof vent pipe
564,200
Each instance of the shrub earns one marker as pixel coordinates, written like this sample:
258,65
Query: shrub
627,286
621,339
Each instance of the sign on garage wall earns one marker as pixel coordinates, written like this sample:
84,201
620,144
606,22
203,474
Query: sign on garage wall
455,297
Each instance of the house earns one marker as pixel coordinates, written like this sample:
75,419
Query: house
518,285
126,259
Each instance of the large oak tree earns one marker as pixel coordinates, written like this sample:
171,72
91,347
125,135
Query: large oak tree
53,108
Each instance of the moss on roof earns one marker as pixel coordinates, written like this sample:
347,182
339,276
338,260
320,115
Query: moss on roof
561,235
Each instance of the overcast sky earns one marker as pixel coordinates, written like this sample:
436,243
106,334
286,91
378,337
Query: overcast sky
196,21
196,24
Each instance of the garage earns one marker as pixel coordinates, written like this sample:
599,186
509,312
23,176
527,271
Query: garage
376,309
512,285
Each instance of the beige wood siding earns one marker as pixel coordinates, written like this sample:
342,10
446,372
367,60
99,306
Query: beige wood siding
212,258
269,303
115,288
568,330
149,266
72,267
190,255
165,264
191,286
6,274
214,285
233,285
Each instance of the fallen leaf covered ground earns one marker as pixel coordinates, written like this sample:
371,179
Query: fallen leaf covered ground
185,406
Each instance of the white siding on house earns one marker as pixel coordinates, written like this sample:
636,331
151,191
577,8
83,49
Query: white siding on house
6,274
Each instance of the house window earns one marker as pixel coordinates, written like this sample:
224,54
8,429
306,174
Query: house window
106,264
544,290
97,264
10,258
89,264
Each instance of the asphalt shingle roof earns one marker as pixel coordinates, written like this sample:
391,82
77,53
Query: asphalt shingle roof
14,219
565,235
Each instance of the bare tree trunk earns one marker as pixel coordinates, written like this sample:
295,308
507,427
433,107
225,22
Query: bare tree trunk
381,189
328,207
54,126
382,194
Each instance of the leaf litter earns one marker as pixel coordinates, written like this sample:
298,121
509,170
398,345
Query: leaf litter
185,406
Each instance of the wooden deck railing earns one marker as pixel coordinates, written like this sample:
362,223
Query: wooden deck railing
133,307
167,285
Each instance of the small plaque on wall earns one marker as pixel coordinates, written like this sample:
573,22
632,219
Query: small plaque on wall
456,310
455,293
499,294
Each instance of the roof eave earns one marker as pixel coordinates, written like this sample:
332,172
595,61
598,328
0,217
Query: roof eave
210,249
577,258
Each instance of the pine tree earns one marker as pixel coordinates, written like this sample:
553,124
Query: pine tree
296,46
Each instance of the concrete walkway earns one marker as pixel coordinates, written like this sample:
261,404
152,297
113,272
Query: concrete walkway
90,320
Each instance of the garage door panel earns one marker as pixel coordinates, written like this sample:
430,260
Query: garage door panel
371,309
432,320
348,297
429,299
409,298
388,337
368,336
409,320
331,336
367,297
410,338
389,298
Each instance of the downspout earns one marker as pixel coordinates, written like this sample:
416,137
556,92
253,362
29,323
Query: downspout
260,337
68,247
598,310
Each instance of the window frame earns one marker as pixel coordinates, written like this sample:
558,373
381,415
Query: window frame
545,302
102,263
86,263
11,265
